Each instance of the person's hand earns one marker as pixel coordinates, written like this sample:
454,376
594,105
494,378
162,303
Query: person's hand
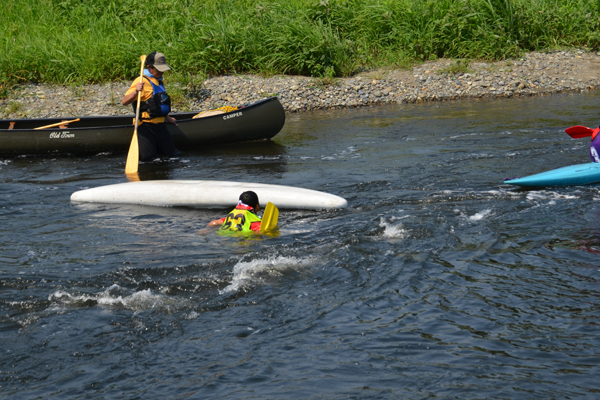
130,97
171,120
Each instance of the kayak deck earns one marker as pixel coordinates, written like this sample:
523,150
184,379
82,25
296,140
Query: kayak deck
572,175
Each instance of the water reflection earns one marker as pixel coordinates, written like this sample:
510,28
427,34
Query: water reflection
259,161
258,158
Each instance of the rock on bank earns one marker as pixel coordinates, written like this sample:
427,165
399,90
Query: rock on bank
533,75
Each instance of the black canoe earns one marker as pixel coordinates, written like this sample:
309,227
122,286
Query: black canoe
256,121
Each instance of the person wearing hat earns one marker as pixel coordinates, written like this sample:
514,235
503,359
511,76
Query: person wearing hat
155,104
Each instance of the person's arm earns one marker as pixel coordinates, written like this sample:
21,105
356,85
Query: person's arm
210,225
216,222
130,97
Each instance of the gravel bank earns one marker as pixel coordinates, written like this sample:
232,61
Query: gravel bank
536,74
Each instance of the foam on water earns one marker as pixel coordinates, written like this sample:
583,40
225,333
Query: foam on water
266,158
462,135
245,272
116,296
350,152
480,215
549,195
393,231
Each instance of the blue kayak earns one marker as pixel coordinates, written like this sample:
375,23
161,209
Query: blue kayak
573,175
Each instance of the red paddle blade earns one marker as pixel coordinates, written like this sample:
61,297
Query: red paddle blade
578,132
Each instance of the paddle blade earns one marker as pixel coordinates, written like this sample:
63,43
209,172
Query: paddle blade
270,217
578,132
135,177
133,157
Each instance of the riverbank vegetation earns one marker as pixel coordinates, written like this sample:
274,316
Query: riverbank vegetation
91,41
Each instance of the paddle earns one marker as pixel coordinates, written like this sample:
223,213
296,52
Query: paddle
578,132
269,219
57,124
133,157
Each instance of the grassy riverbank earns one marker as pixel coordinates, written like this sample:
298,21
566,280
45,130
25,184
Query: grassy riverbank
87,41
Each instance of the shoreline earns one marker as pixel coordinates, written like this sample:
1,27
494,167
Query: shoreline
535,74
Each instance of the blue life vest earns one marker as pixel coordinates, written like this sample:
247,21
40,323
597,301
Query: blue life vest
159,105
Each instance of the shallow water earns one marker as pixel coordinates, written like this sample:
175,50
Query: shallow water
438,281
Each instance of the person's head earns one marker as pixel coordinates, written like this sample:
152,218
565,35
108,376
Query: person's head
156,63
250,199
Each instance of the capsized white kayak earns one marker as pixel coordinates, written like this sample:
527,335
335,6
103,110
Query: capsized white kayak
207,194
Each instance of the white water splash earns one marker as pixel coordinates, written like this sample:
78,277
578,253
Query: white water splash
548,195
255,270
393,230
115,296
480,215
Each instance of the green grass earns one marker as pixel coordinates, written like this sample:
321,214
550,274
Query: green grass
86,41
457,67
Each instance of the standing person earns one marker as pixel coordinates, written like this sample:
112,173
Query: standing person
243,218
155,104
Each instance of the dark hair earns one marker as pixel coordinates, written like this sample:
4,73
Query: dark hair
150,59
250,198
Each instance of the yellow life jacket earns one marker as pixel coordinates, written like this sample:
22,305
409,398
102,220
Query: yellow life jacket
239,220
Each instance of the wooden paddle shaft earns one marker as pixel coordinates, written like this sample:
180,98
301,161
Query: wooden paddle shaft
58,124
133,156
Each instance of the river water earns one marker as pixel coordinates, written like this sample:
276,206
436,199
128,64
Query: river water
438,281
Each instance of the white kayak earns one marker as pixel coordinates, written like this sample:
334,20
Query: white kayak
207,194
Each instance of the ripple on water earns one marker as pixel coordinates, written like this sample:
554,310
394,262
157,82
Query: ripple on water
437,281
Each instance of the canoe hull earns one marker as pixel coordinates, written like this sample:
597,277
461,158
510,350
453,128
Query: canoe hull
207,194
258,121
572,175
